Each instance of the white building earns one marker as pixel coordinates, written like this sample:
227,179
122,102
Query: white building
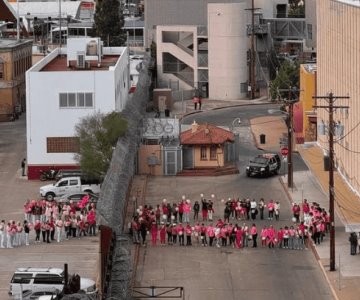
61,89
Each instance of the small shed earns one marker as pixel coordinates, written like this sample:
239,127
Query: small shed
205,146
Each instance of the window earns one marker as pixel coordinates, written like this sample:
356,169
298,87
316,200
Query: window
75,100
21,278
48,279
64,183
203,153
73,182
88,99
62,145
213,155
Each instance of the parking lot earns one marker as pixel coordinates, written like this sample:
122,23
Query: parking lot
80,255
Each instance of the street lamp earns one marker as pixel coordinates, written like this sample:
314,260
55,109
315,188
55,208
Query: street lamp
238,120
289,124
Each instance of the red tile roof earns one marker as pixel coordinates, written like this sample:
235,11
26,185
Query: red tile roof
206,134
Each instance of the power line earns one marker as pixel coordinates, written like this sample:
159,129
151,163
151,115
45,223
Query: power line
330,98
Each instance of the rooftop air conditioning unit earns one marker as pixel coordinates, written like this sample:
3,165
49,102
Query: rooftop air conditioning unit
80,60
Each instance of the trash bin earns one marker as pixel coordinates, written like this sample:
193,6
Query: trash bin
262,138
167,113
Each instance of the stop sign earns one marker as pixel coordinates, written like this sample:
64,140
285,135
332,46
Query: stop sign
284,151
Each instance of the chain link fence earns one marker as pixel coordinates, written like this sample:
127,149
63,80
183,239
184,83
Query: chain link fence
115,188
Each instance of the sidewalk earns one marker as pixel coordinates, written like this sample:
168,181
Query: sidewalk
313,185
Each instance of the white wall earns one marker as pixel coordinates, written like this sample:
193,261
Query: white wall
122,80
227,50
46,119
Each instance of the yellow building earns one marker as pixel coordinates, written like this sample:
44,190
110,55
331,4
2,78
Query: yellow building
308,90
15,59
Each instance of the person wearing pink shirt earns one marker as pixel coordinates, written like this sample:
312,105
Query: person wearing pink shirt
203,231
271,236
296,212
305,208
223,234
181,233
254,234
263,235
197,232
271,207
154,233
187,210
91,218
211,234
238,236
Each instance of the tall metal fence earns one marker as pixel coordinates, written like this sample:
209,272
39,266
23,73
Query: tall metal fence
115,188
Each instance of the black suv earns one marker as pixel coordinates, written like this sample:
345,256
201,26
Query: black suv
264,164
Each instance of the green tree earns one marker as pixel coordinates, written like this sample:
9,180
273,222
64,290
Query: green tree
98,135
288,76
109,23
296,9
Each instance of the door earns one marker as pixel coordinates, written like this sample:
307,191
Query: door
170,163
188,160
74,186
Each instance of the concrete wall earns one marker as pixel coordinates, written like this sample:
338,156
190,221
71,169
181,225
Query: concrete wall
338,66
175,12
310,19
208,163
227,50
144,152
308,90
110,92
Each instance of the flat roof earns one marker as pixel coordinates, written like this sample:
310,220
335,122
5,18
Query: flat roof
60,64
310,68
12,43
48,9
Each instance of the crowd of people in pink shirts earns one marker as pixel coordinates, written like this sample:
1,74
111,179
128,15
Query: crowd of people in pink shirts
49,221
185,224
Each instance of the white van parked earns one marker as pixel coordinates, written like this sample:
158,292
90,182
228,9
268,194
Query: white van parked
44,279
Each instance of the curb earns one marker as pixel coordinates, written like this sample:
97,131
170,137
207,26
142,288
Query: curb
311,246
222,107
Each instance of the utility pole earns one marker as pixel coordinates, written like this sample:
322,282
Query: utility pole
331,107
252,71
290,125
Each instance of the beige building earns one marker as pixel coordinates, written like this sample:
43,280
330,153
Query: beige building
15,59
338,68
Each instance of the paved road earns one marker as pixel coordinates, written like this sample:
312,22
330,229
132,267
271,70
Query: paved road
227,273
81,255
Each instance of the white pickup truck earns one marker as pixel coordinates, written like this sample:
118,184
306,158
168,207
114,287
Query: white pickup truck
69,185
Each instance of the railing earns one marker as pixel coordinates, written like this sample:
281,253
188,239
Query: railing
290,28
258,29
203,60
